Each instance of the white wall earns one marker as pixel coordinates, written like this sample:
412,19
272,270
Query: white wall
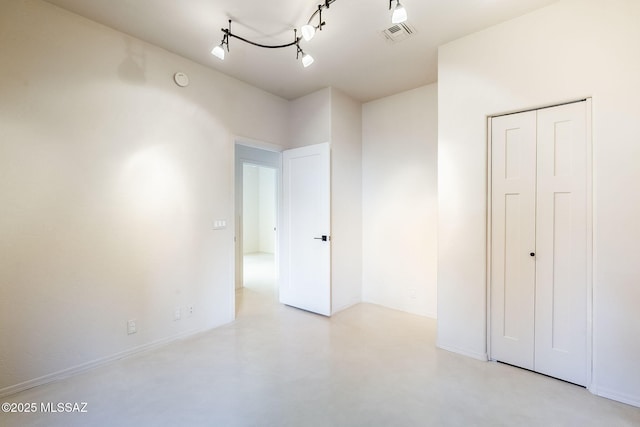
259,209
267,210
399,161
346,201
250,209
570,50
111,178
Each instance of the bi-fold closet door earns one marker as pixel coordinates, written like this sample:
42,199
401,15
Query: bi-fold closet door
539,240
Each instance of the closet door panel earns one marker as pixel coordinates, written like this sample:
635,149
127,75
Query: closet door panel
561,233
513,238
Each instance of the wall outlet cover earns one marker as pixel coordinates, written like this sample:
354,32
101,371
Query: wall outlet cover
132,326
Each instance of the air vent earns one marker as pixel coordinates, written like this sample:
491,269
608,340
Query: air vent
398,32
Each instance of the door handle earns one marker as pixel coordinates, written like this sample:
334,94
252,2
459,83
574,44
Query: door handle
532,254
323,238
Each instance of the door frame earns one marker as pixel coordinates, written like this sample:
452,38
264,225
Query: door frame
258,154
590,230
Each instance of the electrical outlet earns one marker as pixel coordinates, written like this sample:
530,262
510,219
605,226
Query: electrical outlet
177,314
132,326
190,311
412,293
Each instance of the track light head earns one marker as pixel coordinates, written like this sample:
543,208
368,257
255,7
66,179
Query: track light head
399,13
218,52
308,31
307,60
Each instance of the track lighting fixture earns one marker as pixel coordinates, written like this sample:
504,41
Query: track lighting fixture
308,32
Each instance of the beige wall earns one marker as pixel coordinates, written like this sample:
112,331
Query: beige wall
568,51
399,169
111,177
310,119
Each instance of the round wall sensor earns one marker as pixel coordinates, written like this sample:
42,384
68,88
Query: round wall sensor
181,79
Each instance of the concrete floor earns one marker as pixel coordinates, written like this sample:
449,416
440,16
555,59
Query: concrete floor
278,366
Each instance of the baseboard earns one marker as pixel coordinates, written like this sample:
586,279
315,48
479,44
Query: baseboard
478,356
404,308
344,307
69,372
431,315
617,396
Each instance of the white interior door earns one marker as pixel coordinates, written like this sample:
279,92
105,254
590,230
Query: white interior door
539,241
305,271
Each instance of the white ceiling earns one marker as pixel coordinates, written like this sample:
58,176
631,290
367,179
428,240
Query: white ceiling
350,53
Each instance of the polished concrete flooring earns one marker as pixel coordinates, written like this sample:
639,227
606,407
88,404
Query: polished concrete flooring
278,366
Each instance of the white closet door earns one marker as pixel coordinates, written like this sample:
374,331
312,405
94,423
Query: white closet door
539,232
561,240
513,148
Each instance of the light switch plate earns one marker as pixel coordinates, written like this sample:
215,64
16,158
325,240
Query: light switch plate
219,224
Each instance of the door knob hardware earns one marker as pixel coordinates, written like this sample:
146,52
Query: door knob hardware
532,254
323,238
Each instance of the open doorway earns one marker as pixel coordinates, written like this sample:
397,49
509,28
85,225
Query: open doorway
257,195
259,219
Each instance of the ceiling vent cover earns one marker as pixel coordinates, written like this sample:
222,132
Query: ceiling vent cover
398,32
